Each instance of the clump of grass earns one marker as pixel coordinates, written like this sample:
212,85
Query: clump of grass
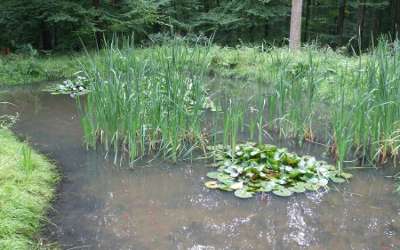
151,100
26,189
27,163
25,69
146,103
349,102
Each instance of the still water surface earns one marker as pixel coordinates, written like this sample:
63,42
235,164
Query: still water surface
165,206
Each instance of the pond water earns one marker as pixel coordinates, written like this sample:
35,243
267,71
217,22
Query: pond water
161,205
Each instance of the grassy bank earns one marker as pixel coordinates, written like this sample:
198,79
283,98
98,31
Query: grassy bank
23,69
27,185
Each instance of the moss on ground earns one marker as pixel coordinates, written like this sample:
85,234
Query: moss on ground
27,186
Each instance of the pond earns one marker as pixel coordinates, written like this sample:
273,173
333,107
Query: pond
160,205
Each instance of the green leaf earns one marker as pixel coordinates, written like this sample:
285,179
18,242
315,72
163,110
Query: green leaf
213,175
311,186
243,194
346,175
211,184
298,188
237,185
268,186
284,192
337,179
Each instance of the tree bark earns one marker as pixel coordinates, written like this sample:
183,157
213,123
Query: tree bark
340,20
307,21
96,4
396,17
295,25
46,37
361,18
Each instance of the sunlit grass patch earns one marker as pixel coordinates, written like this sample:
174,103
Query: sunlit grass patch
27,183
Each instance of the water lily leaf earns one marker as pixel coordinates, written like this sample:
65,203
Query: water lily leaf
211,184
227,163
313,180
337,179
346,175
288,168
294,173
213,175
298,188
237,185
322,182
251,168
268,186
254,152
282,181
311,186
225,187
284,192
241,193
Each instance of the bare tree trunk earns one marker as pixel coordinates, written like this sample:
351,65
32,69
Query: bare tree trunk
307,21
295,25
340,20
96,4
396,17
361,18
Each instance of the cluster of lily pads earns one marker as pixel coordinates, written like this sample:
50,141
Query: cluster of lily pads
76,87
251,168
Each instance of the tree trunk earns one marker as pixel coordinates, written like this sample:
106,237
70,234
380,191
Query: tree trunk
340,20
96,4
307,21
295,25
361,19
396,17
46,38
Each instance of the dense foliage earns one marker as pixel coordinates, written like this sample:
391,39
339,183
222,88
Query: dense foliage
60,24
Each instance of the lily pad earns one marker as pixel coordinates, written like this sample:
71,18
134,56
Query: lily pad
284,192
311,186
250,168
346,175
322,182
237,185
268,187
298,188
211,184
337,179
244,194
213,175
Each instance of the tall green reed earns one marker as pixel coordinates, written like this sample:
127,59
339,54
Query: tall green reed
146,101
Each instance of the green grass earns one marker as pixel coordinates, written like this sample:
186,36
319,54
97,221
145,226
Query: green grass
348,103
146,101
21,69
27,185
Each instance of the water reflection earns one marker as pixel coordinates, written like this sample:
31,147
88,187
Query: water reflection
165,206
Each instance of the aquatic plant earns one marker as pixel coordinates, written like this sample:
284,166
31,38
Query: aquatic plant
250,168
140,98
79,86
142,104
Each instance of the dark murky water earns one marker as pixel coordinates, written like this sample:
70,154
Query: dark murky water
165,206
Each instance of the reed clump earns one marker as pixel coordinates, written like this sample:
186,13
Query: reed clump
153,100
146,101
